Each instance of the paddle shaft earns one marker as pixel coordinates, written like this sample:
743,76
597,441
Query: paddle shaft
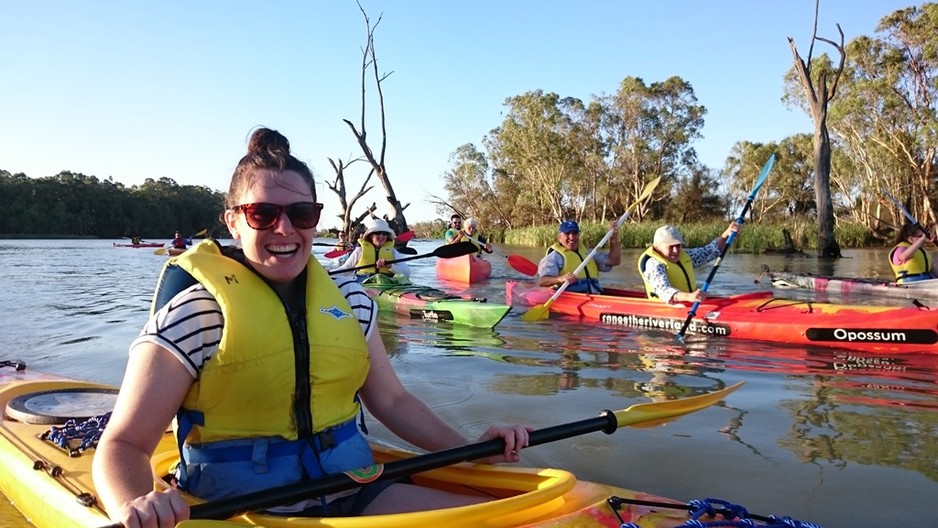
447,251
225,508
907,214
406,236
729,241
517,262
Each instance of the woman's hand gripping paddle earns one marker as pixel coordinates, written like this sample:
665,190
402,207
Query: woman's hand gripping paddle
638,415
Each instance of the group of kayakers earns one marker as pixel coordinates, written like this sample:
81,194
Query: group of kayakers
460,231
267,363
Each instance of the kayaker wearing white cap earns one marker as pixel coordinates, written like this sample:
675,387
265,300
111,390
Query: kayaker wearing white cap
376,247
564,257
668,269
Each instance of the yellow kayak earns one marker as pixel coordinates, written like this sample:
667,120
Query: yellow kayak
52,485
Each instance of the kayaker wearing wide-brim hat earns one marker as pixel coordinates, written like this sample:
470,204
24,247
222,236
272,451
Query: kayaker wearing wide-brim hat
564,257
375,249
668,269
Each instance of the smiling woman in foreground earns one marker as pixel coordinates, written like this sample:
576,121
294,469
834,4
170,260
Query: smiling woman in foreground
275,396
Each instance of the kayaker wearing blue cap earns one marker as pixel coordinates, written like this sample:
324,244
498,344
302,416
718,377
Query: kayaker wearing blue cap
563,258
668,269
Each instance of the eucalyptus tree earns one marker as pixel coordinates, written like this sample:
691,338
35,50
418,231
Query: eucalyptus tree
697,198
533,145
887,115
649,130
818,81
466,183
742,168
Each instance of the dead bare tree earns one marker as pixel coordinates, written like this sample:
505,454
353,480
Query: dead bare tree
818,97
338,187
370,62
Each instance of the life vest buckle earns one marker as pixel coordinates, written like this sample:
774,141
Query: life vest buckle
325,439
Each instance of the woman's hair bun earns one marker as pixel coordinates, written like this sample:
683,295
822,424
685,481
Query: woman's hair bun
265,140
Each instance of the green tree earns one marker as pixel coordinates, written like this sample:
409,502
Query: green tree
696,198
887,116
533,144
650,130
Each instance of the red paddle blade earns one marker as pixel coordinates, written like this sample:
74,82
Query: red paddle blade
522,265
405,236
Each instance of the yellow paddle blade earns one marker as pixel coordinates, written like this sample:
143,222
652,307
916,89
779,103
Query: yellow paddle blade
539,312
161,251
200,233
657,413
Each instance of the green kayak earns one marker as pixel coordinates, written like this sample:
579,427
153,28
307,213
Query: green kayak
431,304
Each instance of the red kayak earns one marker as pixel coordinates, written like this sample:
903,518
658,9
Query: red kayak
466,269
140,245
758,316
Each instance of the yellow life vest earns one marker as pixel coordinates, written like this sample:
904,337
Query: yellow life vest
370,255
254,366
919,266
680,274
479,246
588,277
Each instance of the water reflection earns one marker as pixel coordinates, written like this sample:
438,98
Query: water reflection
818,434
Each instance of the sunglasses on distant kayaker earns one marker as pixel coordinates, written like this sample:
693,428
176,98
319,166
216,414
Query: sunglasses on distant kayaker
262,215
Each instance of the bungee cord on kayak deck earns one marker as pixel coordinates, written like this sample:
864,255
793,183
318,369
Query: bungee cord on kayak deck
88,431
730,514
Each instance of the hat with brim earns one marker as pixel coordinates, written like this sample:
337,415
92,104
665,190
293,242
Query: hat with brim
668,235
377,225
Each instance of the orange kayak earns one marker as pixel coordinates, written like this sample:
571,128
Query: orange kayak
467,269
758,316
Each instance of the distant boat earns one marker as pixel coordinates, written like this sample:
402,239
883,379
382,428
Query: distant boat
140,245
467,269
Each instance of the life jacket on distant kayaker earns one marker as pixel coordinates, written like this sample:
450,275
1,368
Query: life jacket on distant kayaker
680,273
470,232
258,355
371,254
914,269
587,279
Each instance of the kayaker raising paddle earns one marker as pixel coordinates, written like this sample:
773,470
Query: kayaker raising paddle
563,258
265,362
908,258
668,269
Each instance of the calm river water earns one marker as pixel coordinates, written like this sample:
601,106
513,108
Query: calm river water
824,435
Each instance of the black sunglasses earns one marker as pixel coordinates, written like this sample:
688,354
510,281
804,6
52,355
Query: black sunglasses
262,215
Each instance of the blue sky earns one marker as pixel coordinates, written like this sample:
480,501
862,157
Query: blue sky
136,90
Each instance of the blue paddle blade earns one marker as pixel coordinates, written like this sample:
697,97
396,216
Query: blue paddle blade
762,176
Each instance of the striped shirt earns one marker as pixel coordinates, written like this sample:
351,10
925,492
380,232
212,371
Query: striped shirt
190,325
